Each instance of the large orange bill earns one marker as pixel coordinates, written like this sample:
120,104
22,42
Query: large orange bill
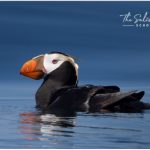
29,69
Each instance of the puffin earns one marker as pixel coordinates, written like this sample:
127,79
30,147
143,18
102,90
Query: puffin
60,90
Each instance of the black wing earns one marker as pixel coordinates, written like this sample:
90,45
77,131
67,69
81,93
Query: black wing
77,98
119,101
97,98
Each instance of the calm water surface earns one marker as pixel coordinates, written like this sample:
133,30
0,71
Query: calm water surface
22,126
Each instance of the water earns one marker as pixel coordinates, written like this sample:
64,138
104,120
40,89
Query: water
23,127
107,54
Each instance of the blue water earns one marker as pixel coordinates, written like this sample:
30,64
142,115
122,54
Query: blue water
107,53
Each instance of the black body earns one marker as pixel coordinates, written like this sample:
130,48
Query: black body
59,91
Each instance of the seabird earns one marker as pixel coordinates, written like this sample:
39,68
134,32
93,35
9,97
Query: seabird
60,90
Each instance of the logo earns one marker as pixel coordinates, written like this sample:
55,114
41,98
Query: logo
139,20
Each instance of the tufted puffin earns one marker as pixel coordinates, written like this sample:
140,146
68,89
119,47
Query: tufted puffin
60,90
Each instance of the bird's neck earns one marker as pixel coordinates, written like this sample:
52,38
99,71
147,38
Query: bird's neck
65,76
45,92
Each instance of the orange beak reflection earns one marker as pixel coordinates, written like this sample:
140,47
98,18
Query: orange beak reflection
30,69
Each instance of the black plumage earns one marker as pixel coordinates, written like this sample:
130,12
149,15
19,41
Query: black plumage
60,91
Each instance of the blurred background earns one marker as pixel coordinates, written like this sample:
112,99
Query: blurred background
107,52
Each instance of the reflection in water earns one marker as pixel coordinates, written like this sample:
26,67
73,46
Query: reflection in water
106,130
38,126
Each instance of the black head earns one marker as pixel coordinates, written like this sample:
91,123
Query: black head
55,65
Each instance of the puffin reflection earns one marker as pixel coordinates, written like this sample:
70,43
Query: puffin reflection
42,126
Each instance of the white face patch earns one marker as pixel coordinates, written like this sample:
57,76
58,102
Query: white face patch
53,61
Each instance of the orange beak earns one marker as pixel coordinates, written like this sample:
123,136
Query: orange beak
31,69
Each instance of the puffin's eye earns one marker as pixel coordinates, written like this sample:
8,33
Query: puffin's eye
54,61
